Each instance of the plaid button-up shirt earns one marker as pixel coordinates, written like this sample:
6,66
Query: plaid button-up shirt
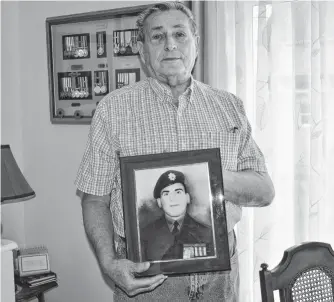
142,119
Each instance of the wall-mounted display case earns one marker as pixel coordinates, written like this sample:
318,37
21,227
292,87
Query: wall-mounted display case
90,55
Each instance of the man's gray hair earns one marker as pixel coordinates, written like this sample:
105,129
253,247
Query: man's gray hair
162,7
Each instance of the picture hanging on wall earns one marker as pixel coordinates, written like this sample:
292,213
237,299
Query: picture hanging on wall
90,55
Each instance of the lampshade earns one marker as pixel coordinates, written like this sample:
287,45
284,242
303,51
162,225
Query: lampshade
14,186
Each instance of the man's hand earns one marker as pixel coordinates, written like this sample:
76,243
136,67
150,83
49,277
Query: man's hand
99,229
123,273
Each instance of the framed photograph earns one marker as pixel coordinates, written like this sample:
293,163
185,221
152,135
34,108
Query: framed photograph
174,211
90,55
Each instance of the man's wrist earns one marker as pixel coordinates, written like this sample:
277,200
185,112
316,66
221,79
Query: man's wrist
105,260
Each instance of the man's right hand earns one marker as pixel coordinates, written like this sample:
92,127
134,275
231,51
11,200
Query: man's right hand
123,273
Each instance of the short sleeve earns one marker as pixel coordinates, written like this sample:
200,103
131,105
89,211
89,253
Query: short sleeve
96,172
250,156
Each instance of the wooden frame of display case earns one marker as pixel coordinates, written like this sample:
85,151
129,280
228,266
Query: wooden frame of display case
83,52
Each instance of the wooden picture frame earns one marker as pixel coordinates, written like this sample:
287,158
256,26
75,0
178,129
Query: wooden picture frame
200,243
83,53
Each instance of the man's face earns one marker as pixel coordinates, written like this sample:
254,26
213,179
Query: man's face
170,49
174,200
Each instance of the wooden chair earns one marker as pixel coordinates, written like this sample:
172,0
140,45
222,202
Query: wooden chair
305,274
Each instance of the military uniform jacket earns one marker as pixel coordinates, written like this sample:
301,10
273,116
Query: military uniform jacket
158,243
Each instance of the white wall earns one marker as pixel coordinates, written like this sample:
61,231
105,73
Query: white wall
49,155
11,113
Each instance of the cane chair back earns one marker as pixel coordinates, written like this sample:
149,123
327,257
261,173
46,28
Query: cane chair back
305,274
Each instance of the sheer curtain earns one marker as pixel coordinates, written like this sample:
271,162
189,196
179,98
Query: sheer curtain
279,58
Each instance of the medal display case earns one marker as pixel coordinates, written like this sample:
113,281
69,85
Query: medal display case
90,55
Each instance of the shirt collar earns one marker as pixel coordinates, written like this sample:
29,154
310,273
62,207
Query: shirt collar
163,89
170,222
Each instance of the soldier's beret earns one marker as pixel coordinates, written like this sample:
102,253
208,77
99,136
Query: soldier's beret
166,179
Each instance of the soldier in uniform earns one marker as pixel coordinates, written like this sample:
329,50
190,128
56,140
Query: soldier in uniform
166,237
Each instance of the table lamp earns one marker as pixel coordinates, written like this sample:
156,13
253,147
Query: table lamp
14,186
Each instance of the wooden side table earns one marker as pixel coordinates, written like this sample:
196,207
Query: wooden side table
27,293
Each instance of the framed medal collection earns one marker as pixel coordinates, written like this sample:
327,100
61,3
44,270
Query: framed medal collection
90,55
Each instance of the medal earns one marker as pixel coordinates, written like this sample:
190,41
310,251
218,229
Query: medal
100,50
134,47
116,46
122,50
70,47
85,51
103,89
116,49
80,51
126,79
68,87
120,80
65,87
86,90
128,41
103,86
97,89
73,87
62,89
76,47
81,92
66,46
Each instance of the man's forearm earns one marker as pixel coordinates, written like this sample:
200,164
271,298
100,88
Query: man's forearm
98,226
248,188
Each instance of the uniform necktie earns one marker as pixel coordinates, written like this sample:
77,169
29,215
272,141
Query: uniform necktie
175,228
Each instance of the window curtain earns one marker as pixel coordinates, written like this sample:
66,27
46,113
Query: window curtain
278,57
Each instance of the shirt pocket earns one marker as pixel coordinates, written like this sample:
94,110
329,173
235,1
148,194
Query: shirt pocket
227,142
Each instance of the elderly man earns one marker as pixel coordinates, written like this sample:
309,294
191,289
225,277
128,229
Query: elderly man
167,112
166,237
